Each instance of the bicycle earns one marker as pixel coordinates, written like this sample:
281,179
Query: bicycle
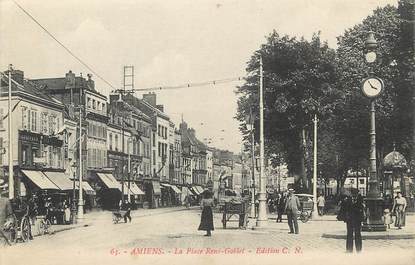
44,225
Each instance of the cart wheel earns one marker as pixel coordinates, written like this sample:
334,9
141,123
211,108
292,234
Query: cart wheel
25,229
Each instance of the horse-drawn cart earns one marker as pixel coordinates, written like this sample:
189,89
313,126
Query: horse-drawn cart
236,208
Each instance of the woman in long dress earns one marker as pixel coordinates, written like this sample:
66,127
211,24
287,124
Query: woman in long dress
206,220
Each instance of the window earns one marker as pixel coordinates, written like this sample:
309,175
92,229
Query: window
94,106
89,102
34,120
362,181
110,136
159,149
154,139
154,157
103,108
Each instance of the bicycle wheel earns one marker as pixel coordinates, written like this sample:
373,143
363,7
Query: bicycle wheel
25,229
47,226
42,227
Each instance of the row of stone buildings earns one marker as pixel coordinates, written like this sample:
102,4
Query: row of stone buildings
129,145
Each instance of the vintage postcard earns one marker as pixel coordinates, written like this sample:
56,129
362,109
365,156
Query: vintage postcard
207,132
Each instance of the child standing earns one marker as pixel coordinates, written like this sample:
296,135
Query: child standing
387,218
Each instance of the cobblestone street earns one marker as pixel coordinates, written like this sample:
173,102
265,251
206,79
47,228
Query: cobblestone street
169,233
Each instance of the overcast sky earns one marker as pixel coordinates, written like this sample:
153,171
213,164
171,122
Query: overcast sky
169,43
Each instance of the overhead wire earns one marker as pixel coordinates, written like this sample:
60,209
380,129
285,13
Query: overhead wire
63,45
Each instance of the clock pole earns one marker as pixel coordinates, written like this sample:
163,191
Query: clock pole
374,201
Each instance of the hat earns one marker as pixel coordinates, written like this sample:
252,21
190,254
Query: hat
291,190
386,211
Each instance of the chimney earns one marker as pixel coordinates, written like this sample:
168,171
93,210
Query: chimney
69,79
183,126
90,82
17,75
160,108
150,98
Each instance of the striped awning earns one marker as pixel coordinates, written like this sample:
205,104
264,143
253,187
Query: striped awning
40,180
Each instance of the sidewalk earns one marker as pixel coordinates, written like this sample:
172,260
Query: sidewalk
95,217
327,226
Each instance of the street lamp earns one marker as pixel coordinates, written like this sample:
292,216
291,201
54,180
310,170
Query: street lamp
371,88
250,122
262,207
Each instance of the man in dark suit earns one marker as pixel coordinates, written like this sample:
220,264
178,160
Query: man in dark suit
353,212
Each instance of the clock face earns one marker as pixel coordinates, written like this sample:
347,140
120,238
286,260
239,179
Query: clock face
372,86
370,57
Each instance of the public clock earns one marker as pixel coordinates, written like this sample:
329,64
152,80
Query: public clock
372,87
370,57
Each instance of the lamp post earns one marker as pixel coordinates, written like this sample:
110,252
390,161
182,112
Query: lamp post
10,135
250,122
80,198
262,208
371,87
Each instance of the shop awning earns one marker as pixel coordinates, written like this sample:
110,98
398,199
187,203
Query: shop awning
135,189
165,185
109,181
40,180
176,189
86,187
195,191
60,179
200,189
156,187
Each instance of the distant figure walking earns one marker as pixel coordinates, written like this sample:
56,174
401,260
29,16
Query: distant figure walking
291,208
399,207
320,204
127,215
280,207
206,220
352,212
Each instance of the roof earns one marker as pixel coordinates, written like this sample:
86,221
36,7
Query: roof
394,160
29,87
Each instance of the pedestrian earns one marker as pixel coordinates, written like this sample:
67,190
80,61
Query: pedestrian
291,208
280,207
6,215
127,215
387,217
206,220
352,212
399,208
320,204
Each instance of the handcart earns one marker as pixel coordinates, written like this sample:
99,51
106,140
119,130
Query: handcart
236,208
306,201
117,216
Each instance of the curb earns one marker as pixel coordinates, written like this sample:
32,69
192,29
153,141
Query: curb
377,236
64,229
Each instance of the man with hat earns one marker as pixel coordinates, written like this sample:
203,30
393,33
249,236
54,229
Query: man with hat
6,211
292,205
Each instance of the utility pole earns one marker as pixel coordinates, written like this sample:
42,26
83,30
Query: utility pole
129,168
11,176
262,209
315,166
80,198
253,208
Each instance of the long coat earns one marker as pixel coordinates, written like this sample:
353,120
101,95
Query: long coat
6,210
206,220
